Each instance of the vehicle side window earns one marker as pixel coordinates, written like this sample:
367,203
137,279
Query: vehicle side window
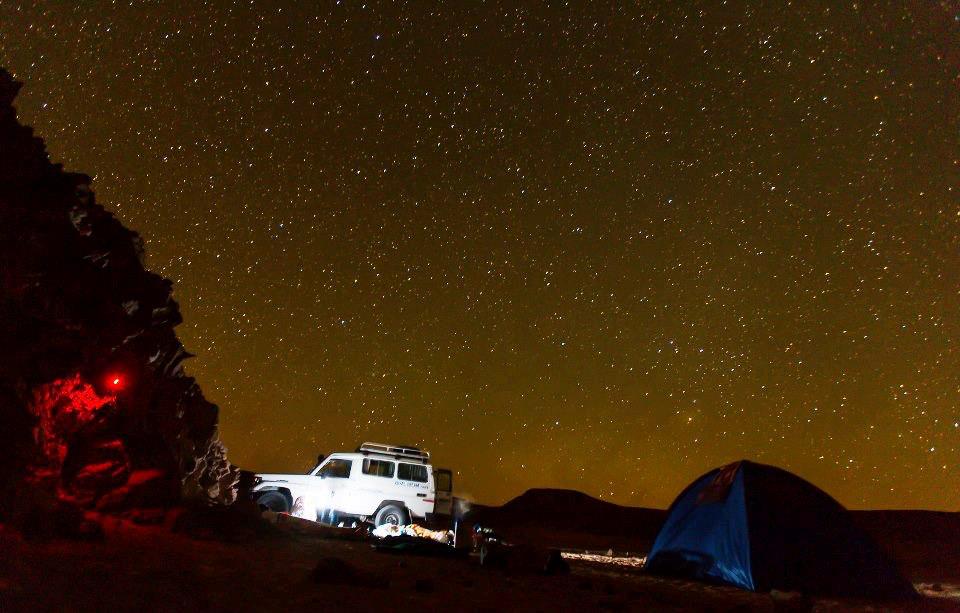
412,472
378,468
337,468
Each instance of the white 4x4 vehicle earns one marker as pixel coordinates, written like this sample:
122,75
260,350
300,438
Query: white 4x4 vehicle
385,484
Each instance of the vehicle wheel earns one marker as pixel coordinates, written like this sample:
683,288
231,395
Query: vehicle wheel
391,514
274,501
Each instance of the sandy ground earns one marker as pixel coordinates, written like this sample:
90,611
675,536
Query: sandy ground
139,569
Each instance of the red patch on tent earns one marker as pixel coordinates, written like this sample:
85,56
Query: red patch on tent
719,488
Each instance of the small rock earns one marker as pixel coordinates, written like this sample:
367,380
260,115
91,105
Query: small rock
335,571
790,601
555,564
147,517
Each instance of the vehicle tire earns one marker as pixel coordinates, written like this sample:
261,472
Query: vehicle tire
391,514
274,501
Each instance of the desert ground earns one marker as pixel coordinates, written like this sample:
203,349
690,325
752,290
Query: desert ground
215,562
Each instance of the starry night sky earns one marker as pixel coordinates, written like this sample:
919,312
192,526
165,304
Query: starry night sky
581,246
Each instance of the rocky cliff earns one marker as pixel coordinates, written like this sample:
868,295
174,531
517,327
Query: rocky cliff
96,413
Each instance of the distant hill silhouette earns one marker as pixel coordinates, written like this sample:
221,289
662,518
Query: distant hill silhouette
568,518
924,543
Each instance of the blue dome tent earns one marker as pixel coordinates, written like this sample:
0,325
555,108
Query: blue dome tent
759,528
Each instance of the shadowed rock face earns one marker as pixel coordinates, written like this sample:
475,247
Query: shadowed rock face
95,411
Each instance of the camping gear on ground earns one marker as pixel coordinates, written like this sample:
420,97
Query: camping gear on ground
760,528
413,530
407,544
417,540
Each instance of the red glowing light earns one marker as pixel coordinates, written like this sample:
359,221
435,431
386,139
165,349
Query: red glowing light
115,381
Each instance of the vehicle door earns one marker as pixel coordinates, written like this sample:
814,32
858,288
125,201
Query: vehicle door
334,474
372,485
443,483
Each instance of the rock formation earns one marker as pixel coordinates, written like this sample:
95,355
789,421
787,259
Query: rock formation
96,413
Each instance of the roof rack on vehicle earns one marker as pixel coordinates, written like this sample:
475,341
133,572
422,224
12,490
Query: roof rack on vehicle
397,451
